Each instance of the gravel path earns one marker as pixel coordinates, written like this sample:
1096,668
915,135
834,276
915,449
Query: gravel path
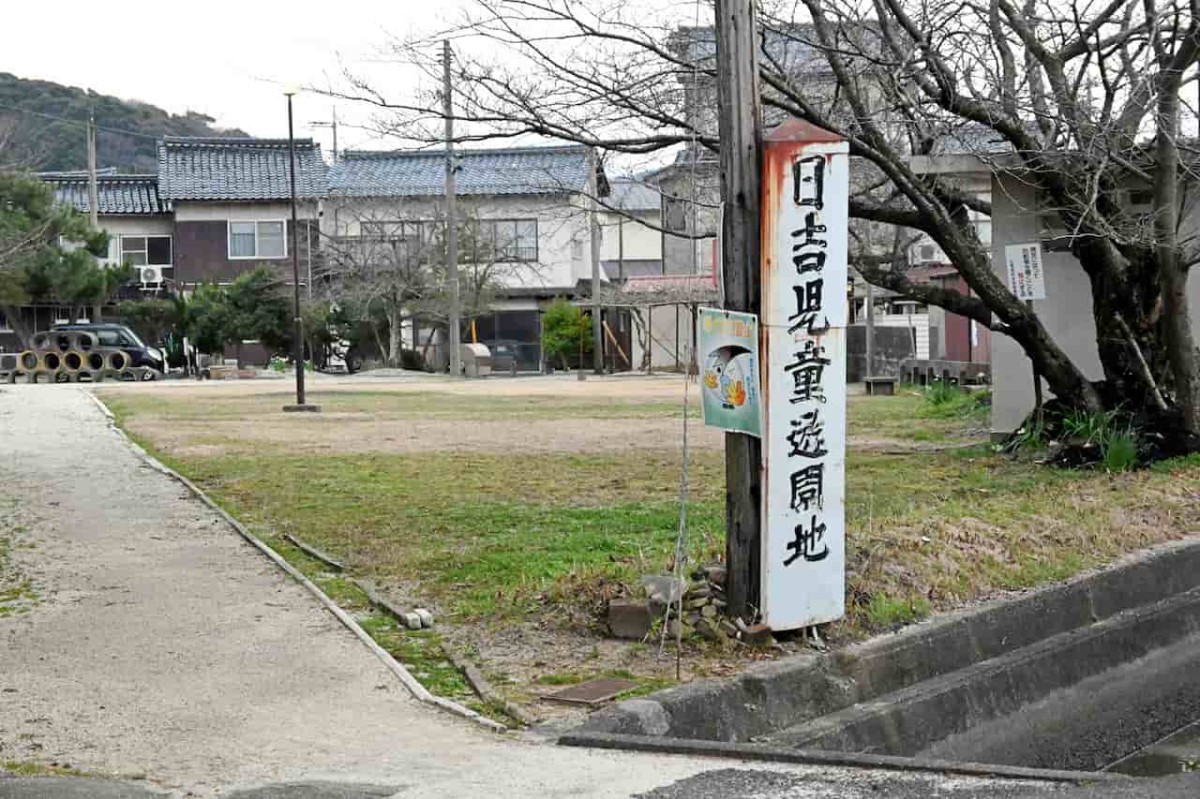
163,647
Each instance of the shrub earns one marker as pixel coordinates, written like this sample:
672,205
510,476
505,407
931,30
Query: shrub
413,360
565,331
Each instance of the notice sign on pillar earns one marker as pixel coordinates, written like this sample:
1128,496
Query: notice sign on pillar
1026,277
806,186
727,345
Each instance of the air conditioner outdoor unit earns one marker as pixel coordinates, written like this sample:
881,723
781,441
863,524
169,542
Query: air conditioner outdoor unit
151,275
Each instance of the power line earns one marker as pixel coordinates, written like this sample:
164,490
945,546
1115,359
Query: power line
81,122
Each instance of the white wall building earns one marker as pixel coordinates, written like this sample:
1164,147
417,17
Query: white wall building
524,226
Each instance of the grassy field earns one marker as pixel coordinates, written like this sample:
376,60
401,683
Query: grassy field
505,537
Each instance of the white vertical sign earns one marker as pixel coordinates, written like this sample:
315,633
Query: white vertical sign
1026,278
806,193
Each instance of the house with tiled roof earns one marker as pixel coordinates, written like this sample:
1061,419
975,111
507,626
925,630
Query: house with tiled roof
231,201
631,229
524,226
220,206
136,218
141,233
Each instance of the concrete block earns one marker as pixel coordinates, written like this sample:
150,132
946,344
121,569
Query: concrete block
629,619
663,587
880,386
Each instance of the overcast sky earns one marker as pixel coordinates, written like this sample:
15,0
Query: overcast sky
229,59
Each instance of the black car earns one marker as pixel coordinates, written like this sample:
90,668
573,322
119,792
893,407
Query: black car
114,335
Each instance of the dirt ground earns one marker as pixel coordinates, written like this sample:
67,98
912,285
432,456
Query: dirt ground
387,427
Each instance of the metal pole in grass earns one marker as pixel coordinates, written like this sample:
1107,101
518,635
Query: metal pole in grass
680,543
298,327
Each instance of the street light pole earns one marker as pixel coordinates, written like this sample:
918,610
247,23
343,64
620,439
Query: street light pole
455,320
298,328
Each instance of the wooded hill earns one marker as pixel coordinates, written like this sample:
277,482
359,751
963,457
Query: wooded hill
43,127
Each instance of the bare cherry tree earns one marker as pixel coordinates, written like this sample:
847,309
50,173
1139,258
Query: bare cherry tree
1078,99
386,261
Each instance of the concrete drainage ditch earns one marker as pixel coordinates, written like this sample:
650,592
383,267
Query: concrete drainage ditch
1062,682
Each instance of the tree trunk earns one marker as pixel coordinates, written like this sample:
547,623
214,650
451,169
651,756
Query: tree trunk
378,339
1177,323
394,344
17,322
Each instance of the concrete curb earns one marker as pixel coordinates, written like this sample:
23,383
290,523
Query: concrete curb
418,691
770,698
777,754
913,718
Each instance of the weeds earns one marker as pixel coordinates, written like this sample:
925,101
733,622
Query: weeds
1110,432
1089,428
1032,436
944,400
884,612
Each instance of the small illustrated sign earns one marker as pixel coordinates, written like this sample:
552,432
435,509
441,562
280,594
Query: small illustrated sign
806,187
727,346
1026,277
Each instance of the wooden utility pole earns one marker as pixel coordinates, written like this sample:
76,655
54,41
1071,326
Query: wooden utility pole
741,177
333,126
869,371
93,191
455,322
620,247
594,235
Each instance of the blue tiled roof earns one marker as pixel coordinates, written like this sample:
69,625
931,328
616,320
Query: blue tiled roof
514,170
115,194
237,169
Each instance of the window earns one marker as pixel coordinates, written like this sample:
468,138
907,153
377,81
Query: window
5,327
115,337
257,240
505,240
397,241
675,214
146,250
1141,197
62,315
421,230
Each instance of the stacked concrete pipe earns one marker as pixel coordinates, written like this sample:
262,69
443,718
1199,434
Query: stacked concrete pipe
59,356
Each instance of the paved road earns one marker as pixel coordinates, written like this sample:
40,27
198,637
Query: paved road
166,650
